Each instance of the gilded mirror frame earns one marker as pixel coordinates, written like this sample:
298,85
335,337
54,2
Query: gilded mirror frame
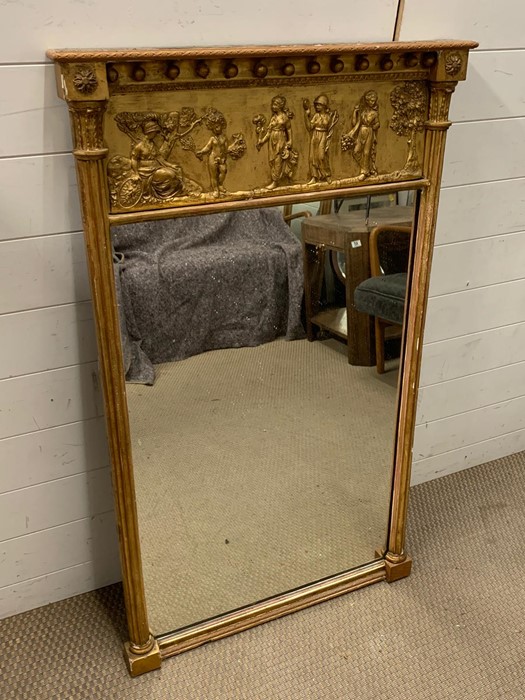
92,81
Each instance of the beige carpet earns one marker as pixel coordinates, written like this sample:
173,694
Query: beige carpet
258,470
454,630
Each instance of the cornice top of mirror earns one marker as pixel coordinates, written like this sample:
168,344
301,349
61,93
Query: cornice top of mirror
93,75
144,54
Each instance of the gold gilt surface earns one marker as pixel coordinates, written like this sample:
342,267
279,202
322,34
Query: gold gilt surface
197,131
206,145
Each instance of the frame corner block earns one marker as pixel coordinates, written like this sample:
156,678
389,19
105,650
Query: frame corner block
396,566
142,663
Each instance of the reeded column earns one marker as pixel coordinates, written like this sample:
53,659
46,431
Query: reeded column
142,652
435,135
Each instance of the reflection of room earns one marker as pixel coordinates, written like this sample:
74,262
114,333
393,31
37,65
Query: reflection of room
342,235
274,470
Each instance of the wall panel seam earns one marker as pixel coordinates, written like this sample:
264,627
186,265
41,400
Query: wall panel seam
55,527
51,427
466,335
478,184
46,371
54,427
42,155
398,22
50,573
481,51
480,238
504,48
43,308
471,374
22,64
488,119
426,423
482,182
475,289
466,447
50,369
38,238
52,527
84,473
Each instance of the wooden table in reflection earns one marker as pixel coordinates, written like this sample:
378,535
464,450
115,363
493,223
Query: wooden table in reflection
349,234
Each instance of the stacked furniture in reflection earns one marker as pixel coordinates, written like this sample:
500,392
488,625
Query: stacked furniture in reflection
345,236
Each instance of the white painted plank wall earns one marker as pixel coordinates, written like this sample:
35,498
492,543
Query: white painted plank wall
60,336
472,400
45,455
57,531
97,23
49,399
58,562
67,499
42,271
33,117
495,25
59,539
30,202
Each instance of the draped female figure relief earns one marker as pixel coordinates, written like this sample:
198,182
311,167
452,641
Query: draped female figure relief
282,158
362,139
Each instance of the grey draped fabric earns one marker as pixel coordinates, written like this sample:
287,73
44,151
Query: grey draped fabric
137,366
189,285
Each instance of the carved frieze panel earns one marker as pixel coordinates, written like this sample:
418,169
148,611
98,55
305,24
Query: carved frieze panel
184,127
171,149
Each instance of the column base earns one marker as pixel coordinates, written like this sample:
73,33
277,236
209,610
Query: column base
396,566
142,663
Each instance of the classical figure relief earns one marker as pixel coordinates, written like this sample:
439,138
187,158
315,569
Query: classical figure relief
361,140
218,149
410,110
148,175
277,133
321,125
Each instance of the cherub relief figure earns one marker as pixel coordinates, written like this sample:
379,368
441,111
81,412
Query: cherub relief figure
362,138
148,174
321,125
217,150
282,158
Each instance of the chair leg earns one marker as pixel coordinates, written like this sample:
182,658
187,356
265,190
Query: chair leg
380,346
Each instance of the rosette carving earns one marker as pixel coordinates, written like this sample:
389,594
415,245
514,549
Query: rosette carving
453,63
85,80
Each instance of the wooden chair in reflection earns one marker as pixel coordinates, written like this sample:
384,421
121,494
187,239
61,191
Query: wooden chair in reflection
289,216
383,294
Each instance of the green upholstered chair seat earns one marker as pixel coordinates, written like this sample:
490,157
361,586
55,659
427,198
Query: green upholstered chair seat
383,297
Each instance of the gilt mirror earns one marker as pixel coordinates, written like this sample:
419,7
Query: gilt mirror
259,225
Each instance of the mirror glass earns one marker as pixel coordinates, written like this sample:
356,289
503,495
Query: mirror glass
262,425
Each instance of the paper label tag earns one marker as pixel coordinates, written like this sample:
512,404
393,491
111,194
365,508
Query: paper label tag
356,244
